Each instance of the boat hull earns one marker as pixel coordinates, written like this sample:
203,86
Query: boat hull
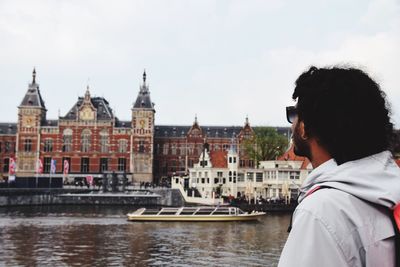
196,218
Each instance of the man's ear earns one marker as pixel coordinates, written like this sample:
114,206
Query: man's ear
302,131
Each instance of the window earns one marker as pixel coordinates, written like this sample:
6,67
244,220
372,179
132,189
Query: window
283,175
294,175
48,145
225,147
203,163
182,150
86,139
46,164
122,145
234,159
230,159
103,164
165,149
190,149
251,163
206,174
272,174
7,146
242,163
104,141
121,164
230,176
141,146
84,165
234,177
219,174
240,177
28,145
173,149
259,177
67,140
250,176
6,165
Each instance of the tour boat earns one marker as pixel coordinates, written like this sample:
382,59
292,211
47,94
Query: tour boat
194,214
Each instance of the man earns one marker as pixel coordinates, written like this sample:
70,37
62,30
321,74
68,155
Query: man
341,124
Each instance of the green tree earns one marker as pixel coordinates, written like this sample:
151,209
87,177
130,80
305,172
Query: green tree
265,144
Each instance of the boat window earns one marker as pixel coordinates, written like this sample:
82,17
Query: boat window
167,212
204,212
150,212
221,212
187,212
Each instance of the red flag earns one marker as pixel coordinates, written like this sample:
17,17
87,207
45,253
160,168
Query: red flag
89,179
66,167
39,166
12,166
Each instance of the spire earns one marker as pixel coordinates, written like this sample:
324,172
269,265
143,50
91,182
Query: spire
247,120
143,99
87,94
195,119
33,97
34,75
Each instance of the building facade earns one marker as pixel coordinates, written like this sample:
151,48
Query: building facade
91,140
219,174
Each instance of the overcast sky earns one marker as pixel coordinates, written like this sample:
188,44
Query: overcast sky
221,60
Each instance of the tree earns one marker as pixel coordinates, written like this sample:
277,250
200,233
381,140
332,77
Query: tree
265,144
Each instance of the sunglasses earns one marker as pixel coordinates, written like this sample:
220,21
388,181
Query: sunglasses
291,113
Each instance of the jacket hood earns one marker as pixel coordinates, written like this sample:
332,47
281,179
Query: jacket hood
375,179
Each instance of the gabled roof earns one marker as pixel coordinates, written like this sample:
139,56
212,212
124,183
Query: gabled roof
33,98
103,110
290,155
218,159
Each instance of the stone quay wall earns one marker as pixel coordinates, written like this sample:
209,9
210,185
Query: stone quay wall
23,197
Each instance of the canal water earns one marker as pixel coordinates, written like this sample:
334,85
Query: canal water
101,236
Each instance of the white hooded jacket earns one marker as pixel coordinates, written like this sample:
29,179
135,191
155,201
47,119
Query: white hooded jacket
348,223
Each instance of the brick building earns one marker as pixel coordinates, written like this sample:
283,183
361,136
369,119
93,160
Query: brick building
93,140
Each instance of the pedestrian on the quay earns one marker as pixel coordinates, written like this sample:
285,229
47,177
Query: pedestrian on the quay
341,123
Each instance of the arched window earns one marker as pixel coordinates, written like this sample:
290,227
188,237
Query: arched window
67,140
122,145
86,139
104,141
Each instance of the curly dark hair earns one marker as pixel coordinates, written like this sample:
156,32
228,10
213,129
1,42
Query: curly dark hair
345,110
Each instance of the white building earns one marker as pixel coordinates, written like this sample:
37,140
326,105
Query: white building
218,174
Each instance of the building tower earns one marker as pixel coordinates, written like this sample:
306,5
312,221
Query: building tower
142,135
31,116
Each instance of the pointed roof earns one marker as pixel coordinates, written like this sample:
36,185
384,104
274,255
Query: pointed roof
143,99
33,97
100,105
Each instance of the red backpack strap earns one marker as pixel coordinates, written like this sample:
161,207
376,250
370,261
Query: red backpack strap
309,192
396,215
